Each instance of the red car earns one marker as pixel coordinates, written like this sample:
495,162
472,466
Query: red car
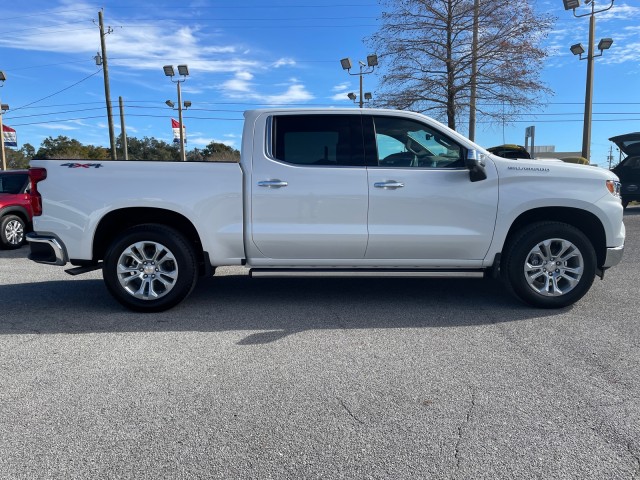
16,210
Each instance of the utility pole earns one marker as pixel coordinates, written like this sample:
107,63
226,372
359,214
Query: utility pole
610,157
107,90
123,131
474,72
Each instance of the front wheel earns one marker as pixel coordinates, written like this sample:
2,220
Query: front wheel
150,268
549,264
12,232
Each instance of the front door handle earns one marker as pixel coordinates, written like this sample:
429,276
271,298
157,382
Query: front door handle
272,183
392,184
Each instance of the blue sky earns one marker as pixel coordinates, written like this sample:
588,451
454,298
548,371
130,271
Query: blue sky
246,54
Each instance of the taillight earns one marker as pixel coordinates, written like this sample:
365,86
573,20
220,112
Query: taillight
36,175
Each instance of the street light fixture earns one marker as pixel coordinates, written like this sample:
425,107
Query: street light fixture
579,50
605,44
571,4
365,69
367,97
183,70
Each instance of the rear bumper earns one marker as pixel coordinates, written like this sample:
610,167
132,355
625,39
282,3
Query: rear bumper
614,255
47,248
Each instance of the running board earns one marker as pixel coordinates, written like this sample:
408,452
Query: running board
361,272
83,269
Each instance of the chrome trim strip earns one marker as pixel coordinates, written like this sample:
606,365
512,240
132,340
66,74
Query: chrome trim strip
54,243
614,255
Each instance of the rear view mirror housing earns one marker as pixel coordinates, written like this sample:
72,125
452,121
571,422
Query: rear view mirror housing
475,164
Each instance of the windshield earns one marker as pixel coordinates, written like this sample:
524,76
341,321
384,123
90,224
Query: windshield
13,184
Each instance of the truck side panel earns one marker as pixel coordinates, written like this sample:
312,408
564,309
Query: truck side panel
208,194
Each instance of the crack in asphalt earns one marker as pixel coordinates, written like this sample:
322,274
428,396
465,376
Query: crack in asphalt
351,414
461,427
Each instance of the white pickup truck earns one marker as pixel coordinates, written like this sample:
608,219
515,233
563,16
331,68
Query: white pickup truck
331,192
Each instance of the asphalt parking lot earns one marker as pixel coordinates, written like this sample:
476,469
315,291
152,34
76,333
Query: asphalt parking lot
318,378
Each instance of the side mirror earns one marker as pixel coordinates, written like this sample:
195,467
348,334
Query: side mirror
475,164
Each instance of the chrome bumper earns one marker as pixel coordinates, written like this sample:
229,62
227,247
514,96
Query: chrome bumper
47,249
614,255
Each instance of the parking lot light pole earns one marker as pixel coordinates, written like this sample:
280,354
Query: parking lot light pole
365,69
578,49
3,77
184,71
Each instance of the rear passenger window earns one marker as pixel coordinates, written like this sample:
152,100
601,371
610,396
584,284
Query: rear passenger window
329,140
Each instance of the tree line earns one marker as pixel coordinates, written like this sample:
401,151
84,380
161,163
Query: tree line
147,148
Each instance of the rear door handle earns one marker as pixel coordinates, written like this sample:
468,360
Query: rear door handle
272,183
391,184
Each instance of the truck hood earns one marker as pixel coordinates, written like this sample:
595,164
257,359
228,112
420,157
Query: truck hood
629,143
550,166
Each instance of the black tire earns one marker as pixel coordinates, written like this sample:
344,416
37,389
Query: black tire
150,268
12,232
549,265
625,204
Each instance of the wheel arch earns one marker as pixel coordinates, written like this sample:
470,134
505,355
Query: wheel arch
19,211
117,221
583,220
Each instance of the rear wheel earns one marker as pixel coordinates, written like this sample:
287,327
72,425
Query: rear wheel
150,268
549,264
12,231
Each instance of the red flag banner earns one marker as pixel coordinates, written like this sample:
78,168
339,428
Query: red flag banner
175,126
9,136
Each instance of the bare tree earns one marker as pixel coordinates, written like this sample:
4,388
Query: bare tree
427,51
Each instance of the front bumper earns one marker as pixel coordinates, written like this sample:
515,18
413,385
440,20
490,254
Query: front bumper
614,255
47,248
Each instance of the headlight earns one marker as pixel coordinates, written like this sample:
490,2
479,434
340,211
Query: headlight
613,187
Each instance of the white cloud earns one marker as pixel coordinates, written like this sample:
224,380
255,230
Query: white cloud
282,62
343,87
239,84
294,94
57,126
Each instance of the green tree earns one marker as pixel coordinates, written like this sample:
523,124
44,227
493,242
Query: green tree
20,158
63,147
219,152
149,148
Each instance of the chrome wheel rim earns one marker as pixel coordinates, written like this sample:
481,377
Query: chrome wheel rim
14,232
147,270
554,267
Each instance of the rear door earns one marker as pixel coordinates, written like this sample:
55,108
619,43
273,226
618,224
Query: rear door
309,194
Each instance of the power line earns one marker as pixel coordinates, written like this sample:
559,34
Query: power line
59,91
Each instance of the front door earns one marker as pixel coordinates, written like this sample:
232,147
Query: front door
424,210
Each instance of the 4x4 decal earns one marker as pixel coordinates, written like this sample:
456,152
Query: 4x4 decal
82,165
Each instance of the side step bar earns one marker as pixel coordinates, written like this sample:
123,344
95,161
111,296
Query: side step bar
360,272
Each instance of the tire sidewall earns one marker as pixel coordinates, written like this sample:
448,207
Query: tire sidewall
173,241
4,241
522,245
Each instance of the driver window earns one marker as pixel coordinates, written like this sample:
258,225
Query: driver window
407,143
